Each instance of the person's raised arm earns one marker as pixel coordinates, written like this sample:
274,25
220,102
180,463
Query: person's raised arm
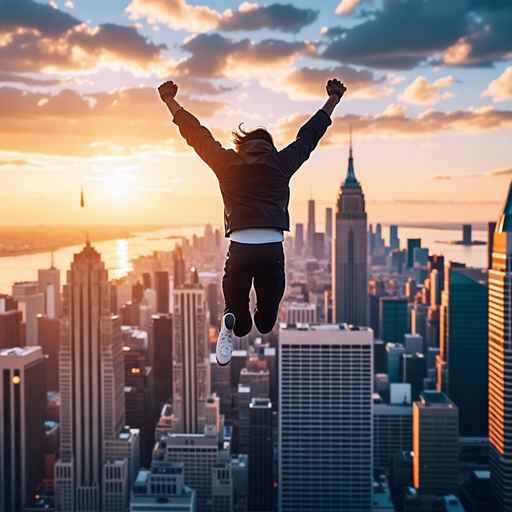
196,135
335,90
294,155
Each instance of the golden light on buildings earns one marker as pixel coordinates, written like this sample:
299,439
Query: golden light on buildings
16,380
135,370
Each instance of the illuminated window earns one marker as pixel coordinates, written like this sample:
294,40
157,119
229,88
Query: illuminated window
135,370
16,380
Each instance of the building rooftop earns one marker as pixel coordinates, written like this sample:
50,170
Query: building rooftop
260,403
434,398
322,327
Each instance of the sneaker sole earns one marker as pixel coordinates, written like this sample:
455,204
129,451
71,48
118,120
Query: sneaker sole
220,364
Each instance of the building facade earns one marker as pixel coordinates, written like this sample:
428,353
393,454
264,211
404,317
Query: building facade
349,268
22,428
500,361
91,391
191,359
325,419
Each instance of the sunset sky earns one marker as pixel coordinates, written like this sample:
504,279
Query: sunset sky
429,99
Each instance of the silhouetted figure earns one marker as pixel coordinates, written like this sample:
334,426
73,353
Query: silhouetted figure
254,182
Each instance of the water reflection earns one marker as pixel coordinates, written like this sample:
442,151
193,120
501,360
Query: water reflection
123,264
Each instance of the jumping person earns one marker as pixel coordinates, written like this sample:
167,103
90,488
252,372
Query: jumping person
254,182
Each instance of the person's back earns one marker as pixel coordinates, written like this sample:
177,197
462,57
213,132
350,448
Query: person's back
254,182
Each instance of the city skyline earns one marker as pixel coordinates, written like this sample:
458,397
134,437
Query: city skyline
431,124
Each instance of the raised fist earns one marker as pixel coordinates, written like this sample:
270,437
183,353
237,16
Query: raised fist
334,86
168,90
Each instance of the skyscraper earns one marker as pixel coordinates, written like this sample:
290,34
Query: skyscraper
500,361
179,267
160,339
328,231
261,484
464,347
32,303
162,291
349,267
394,241
49,284
412,243
392,319
435,444
10,328
299,239
311,226
326,379
91,391
22,430
191,359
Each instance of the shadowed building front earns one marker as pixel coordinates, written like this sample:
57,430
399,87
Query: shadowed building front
349,269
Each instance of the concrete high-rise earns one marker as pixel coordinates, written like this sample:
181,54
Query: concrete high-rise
11,328
93,438
179,268
326,379
349,268
299,239
464,347
311,226
49,284
328,232
31,303
162,291
436,444
22,429
191,359
394,241
392,432
500,361
48,332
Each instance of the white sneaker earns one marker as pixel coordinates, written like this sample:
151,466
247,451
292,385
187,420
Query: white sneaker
225,341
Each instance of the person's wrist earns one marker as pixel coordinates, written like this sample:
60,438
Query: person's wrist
336,96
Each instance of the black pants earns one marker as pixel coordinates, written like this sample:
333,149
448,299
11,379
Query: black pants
265,264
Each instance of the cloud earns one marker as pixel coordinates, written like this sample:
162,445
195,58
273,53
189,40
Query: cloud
309,83
420,92
433,202
436,177
404,34
23,163
179,15
348,6
501,88
216,56
119,122
500,173
38,38
20,79
393,123
430,145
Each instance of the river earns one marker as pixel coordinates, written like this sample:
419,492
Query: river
117,253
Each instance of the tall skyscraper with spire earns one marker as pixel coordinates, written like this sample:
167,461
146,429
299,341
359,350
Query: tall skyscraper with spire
96,448
500,361
311,226
349,272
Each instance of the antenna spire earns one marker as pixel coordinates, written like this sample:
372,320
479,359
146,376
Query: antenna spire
82,195
52,265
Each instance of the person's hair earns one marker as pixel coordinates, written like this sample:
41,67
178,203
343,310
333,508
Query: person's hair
240,136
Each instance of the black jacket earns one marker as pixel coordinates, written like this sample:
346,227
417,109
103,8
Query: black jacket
253,182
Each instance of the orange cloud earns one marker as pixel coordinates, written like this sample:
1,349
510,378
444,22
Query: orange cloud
120,122
179,15
348,6
309,83
501,88
420,92
393,123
